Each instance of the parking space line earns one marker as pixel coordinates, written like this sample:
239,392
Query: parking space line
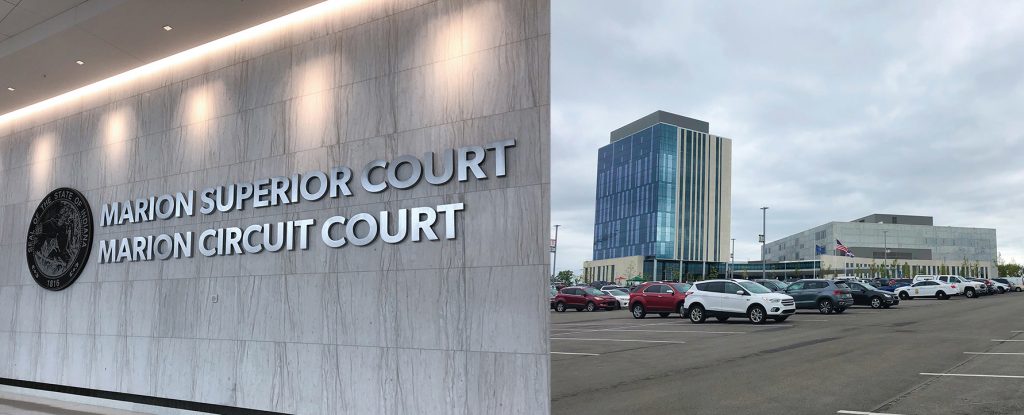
616,340
1007,340
862,413
998,353
973,376
811,320
577,354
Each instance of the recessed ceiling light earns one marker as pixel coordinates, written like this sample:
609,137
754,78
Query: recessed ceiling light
10,89
168,28
80,62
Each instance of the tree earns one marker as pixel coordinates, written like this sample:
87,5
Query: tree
943,269
713,274
965,268
565,277
1009,269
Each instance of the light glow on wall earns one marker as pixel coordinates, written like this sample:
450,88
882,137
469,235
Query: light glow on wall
295,18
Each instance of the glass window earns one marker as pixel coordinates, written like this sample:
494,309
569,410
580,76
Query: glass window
796,286
704,286
730,287
655,289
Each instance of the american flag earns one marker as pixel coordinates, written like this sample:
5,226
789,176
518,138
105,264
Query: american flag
842,248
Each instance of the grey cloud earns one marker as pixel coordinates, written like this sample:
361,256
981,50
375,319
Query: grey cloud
836,109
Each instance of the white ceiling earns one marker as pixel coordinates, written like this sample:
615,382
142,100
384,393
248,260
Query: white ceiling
40,40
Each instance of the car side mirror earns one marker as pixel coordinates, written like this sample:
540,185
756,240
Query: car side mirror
741,292
669,292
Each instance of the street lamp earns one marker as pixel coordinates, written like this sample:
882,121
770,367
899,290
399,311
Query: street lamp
732,259
764,231
554,252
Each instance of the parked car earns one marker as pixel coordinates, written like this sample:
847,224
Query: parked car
584,298
723,299
1014,283
663,298
1000,287
867,294
827,296
964,286
613,287
991,288
929,288
774,285
620,294
551,296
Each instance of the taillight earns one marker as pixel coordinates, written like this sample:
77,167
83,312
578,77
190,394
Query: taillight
837,293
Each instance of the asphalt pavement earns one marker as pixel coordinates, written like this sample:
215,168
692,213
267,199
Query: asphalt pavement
910,359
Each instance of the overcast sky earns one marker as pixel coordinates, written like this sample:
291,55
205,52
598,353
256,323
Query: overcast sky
836,109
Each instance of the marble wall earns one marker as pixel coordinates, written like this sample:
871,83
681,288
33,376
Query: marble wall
449,326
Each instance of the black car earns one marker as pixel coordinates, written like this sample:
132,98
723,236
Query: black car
866,294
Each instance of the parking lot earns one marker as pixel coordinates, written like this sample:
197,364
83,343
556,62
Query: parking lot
925,356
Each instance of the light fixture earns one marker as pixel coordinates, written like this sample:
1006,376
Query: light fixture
297,17
80,62
10,89
168,28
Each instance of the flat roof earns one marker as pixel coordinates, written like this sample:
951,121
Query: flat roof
659,117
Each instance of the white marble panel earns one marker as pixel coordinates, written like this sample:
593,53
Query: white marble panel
366,51
377,390
368,110
110,308
176,362
109,361
52,318
427,34
261,370
8,305
27,316
267,79
367,304
515,214
53,353
265,131
439,302
431,382
517,314
263,312
77,364
26,353
7,349
508,383
215,377
140,367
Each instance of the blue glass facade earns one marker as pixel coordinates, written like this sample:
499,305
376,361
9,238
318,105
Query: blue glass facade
661,192
636,185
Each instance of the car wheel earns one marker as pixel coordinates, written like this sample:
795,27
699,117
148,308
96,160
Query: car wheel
697,314
722,319
941,295
1017,289
591,306
560,307
876,302
1002,290
756,314
904,295
663,315
839,310
682,311
638,311
780,319
969,293
825,306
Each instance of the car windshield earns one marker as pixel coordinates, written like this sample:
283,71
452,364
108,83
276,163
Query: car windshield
754,287
869,286
618,292
593,291
680,287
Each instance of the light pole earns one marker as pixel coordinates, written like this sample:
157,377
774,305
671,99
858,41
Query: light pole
554,252
885,250
732,259
764,231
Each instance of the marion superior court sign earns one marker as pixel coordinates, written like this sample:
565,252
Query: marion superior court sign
406,224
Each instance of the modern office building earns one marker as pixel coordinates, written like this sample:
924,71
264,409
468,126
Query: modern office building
274,207
663,194
913,241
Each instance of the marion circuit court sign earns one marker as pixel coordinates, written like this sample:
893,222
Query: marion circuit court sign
407,224
59,239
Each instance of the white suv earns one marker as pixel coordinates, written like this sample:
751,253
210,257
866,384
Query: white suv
965,287
736,298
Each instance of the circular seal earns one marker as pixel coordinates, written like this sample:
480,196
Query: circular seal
59,239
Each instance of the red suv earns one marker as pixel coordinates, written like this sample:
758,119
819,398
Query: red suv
663,298
583,298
